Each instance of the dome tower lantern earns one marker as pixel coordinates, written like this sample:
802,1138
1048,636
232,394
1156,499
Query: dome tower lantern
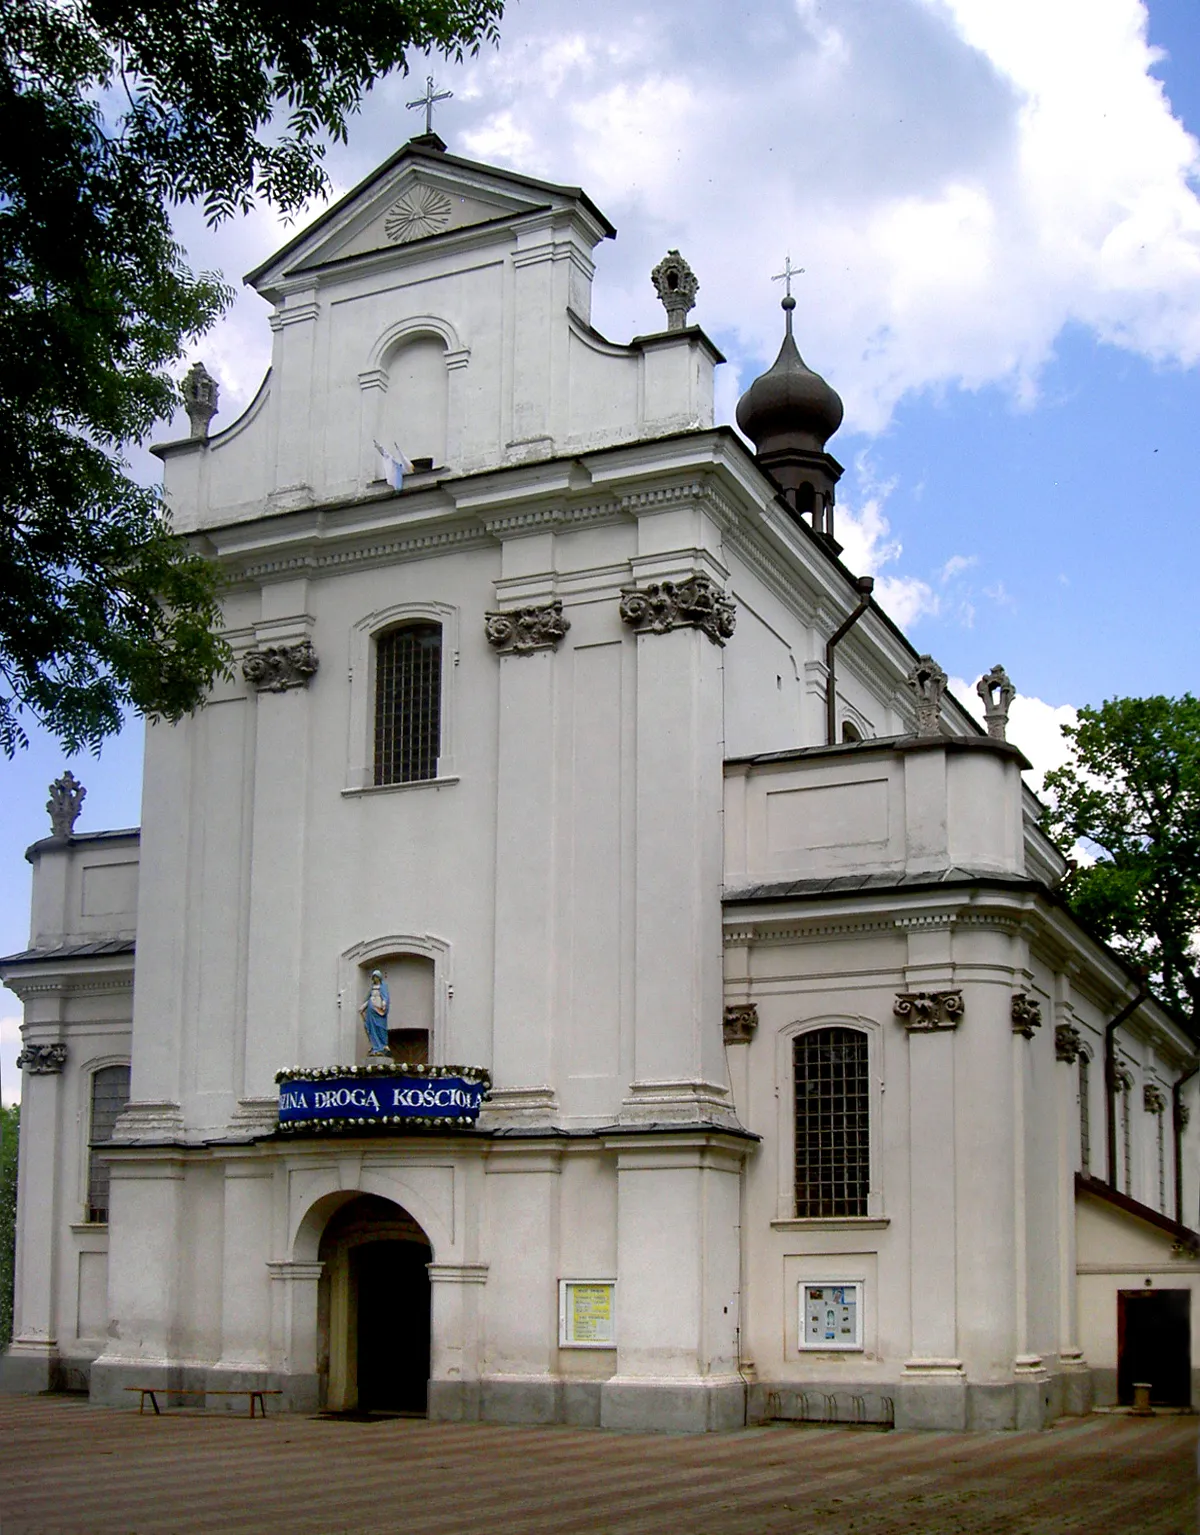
789,413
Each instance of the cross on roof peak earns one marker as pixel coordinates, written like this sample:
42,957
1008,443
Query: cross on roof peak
428,100
789,271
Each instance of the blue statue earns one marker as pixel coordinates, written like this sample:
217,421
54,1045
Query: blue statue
375,1014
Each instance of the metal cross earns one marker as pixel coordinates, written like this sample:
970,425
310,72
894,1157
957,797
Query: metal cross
428,100
789,271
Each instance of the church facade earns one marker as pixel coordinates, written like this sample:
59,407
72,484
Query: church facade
560,741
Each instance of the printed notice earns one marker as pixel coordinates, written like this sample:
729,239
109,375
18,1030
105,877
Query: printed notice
830,1316
586,1314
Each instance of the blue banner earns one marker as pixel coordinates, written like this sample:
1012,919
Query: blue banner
378,1100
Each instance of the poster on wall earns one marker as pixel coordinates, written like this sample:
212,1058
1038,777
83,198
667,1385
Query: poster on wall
831,1315
587,1313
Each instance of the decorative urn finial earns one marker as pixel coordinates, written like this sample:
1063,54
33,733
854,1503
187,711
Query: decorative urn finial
997,693
67,795
200,392
677,288
928,681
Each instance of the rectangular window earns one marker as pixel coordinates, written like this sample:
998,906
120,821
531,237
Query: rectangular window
1085,1118
110,1094
408,703
833,1164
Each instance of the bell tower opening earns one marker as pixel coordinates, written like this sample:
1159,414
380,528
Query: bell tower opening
373,1316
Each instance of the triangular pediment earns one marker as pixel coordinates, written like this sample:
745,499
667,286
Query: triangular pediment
422,194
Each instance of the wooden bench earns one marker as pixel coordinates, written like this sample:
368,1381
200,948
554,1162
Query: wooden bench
256,1396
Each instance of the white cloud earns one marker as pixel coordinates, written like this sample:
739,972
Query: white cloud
956,565
10,1048
960,179
1033,725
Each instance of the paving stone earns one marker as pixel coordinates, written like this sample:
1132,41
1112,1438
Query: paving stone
68,1467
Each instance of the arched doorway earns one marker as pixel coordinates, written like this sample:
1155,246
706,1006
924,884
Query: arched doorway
373,1309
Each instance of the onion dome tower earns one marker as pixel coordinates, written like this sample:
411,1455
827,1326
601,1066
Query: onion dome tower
789,413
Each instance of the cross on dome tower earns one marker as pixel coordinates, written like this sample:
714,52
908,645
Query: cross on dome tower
789,413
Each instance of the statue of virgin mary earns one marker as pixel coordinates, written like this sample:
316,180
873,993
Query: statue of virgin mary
375,1015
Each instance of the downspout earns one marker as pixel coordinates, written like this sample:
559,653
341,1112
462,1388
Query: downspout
864,585
1110,1079
1177,1127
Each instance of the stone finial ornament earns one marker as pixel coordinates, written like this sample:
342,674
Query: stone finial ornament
677,288
67,795
522,630
1068,1043
664,605
275,668
928,681
741,1022
923,1012
997,693
42,1060
201,392
1026,1015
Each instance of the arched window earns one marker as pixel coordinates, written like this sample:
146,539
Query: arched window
408,703
832,1091
110,1094
850,732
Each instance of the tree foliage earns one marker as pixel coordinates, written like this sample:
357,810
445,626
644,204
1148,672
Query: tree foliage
110,113
1131,795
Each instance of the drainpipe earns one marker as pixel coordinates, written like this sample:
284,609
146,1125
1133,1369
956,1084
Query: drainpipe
1177,1127
1110,1078
864,586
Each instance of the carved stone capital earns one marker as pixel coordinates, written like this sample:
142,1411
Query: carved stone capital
925,1011
1068,1043
741,1023
42,1060
928,682
1026,1015
1185,1115
67,795
664,605
1153,1099
275,668
517,631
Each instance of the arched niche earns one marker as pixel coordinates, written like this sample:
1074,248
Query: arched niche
417,970
416,408
412,394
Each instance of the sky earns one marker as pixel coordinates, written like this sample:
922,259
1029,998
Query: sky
997,209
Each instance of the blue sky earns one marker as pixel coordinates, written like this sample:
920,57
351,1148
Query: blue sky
997,209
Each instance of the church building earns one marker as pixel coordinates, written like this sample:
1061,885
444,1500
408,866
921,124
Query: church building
581,965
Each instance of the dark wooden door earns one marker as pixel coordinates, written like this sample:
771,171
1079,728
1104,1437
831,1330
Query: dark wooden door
1154,1343
392,1295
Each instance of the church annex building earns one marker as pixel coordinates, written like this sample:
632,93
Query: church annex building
730,1057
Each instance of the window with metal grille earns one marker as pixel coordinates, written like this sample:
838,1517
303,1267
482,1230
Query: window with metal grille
1085,1116
1127,1133
110,1094
833,1162
408,703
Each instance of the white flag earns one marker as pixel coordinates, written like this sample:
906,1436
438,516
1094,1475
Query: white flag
395,465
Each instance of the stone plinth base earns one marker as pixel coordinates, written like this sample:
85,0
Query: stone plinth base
112,1378
648,1406
673,1406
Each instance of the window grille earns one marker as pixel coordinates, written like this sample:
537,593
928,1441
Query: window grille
110,1094
1126,1135
1085,1116
1162,1162
833,1172
408,703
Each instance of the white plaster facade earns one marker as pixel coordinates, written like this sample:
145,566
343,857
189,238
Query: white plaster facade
628,832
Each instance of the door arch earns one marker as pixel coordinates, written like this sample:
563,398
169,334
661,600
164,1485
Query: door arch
373,1309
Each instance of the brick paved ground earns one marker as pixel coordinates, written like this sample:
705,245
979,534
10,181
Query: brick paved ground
67,1466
